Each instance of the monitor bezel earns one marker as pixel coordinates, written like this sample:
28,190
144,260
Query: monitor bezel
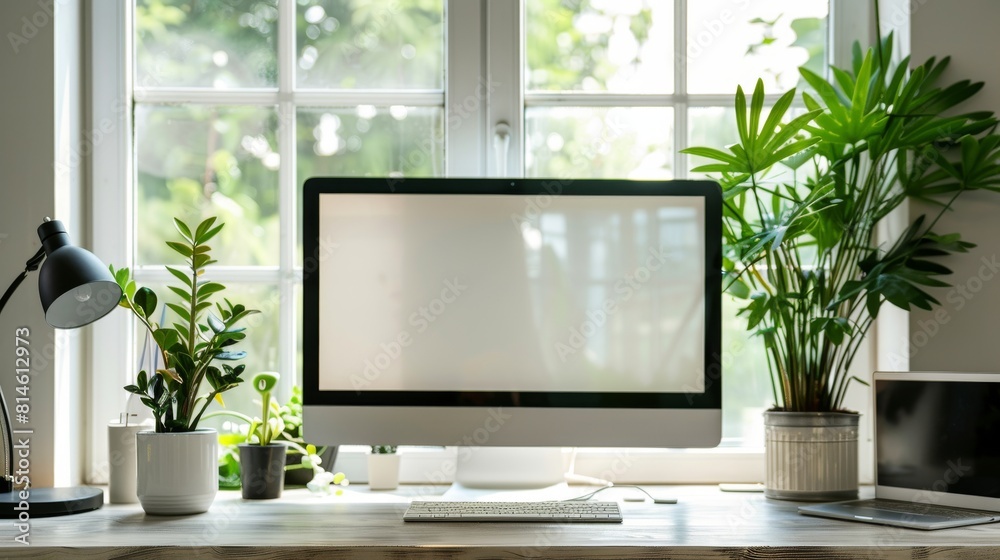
314,188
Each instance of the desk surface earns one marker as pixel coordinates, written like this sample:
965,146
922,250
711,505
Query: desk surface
706,523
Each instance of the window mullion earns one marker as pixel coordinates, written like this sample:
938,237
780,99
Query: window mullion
465,105
505,75
680,89
112,226
288,196
206,96
379,97
574,99
847,24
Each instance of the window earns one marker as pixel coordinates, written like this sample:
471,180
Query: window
617,89
237,102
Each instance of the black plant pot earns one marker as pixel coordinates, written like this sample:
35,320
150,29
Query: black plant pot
301,477
262,470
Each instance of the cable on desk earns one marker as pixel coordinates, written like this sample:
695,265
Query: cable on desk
589,495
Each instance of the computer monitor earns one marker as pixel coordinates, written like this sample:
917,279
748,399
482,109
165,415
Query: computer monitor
512,312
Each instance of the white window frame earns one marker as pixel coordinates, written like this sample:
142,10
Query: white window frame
483,88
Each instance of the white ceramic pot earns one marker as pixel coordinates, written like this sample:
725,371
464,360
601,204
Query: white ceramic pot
811,456
383,471
178,473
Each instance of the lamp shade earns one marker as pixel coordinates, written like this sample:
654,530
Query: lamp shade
75,287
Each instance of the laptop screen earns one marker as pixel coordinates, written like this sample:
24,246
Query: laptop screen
940,436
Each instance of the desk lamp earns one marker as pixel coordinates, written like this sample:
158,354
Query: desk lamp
75,289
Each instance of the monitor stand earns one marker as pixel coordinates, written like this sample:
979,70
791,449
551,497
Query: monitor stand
509,474
509,467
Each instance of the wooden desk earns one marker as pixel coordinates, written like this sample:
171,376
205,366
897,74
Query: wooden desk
706,523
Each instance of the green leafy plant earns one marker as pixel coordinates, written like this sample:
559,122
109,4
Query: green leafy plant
383,449
229,460
189,348
265,428
803,197
271,427
229,465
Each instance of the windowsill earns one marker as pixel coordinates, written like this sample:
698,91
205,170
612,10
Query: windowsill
430,465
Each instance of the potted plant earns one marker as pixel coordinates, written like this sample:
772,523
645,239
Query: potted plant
383,468
262,461
177,462
299,469
802,201
297,473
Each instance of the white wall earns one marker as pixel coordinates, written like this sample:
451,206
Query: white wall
39,125
964,333
27,184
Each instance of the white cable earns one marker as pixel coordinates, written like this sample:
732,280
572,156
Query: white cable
589,495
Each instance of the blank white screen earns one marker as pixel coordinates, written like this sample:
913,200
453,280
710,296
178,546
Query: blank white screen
511,293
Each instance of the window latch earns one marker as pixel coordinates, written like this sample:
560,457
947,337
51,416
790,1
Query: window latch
501,146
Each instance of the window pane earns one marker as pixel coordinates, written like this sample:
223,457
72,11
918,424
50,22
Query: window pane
365,141
261,344
733,43
746,389
189,43
599,142
370,44
600,45
710,126
197,161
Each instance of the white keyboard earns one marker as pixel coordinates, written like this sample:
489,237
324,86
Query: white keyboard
520,512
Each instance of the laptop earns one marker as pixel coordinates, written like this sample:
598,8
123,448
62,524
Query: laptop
937,453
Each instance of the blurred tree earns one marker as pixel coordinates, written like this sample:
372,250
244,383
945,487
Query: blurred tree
370,44
222,44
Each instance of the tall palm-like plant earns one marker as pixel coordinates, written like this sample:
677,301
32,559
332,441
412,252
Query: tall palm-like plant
803,199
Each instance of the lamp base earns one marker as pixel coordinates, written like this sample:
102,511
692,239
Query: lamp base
51,502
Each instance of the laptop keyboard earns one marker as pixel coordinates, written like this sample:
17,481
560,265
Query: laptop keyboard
544,512
917,508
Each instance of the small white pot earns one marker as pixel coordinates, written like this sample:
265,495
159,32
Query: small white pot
178,473
383,471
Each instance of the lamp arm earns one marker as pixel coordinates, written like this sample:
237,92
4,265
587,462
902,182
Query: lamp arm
7,478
